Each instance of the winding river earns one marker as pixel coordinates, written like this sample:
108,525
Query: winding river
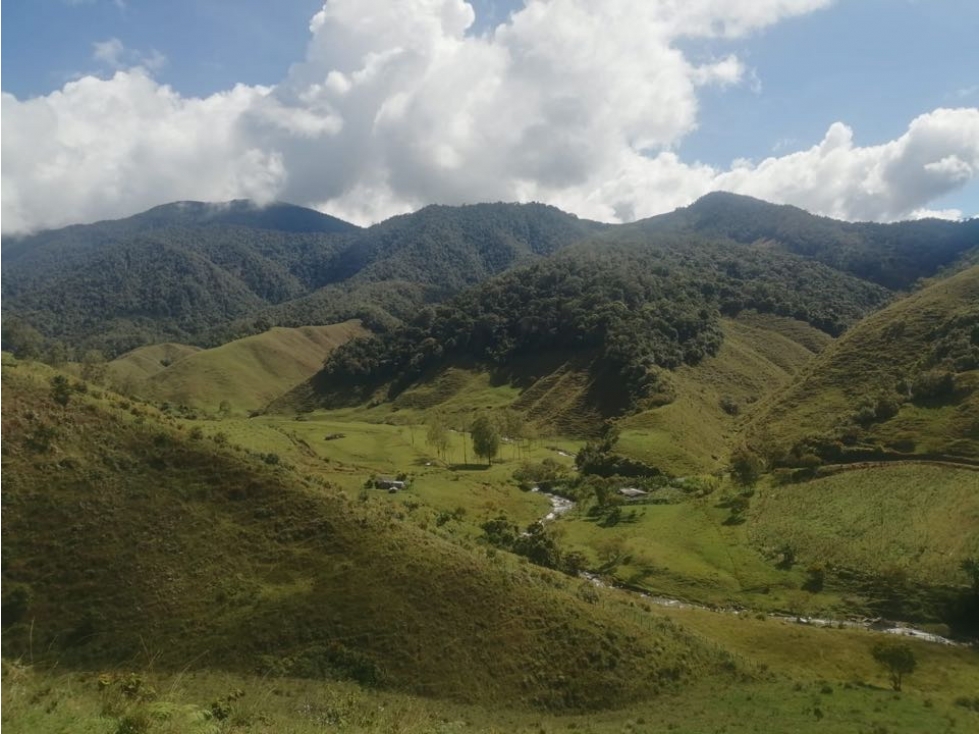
562,505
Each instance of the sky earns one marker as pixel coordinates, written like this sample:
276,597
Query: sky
613,110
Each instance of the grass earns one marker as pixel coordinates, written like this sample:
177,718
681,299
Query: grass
840,692
694,433
145,361
873,359
684,550
295,571
369,449
920,519
131,537
246,374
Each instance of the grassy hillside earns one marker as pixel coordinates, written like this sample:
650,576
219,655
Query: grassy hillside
146,361
127,538
561,394
248,373
696,432
921,521
819,682
903,381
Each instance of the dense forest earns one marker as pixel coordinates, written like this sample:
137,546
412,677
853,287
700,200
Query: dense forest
892,255
206,274
638,307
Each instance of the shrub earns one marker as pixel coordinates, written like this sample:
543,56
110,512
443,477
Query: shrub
60,390
729,405
933,385
746,467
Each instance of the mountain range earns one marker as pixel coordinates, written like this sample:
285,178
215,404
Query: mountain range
606,439
204,274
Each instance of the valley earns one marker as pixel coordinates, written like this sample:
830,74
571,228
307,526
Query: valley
204,528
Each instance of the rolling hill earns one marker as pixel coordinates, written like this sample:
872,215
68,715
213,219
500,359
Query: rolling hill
893,255
242,376
903,382
605,321
126,534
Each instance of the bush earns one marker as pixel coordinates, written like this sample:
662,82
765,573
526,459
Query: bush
933,385
60,390
729,405
746,467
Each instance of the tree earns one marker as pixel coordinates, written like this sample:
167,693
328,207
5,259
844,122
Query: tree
897,657
94,366
971,567
486,438
512,425
60,390
746,467
22,339
438,434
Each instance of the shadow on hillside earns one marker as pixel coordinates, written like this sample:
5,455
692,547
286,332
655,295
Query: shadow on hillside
469,467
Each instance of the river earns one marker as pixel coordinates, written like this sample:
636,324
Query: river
562,505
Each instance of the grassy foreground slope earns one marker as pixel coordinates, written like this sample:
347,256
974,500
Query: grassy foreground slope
129,541
903,381
248,373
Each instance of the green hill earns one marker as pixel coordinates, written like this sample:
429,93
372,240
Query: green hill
695,433
207,274
243,375
905,381
147,361
172,273
598,326
127,536
894,255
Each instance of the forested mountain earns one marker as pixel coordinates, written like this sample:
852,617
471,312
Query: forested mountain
170,273
205,274
892,255
636,305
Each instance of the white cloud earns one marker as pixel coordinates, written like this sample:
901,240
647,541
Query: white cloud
397,104
948,214
102,148
108,52
113,54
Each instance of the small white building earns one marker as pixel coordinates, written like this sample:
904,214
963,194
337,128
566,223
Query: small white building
632,492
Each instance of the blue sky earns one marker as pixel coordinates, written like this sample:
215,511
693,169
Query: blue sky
872,65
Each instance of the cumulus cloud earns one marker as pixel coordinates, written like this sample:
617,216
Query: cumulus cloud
103,148
396,104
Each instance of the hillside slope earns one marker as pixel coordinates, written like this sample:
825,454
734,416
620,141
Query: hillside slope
248,373
606,321
127,537
210,273
893,255
696,432
903,381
